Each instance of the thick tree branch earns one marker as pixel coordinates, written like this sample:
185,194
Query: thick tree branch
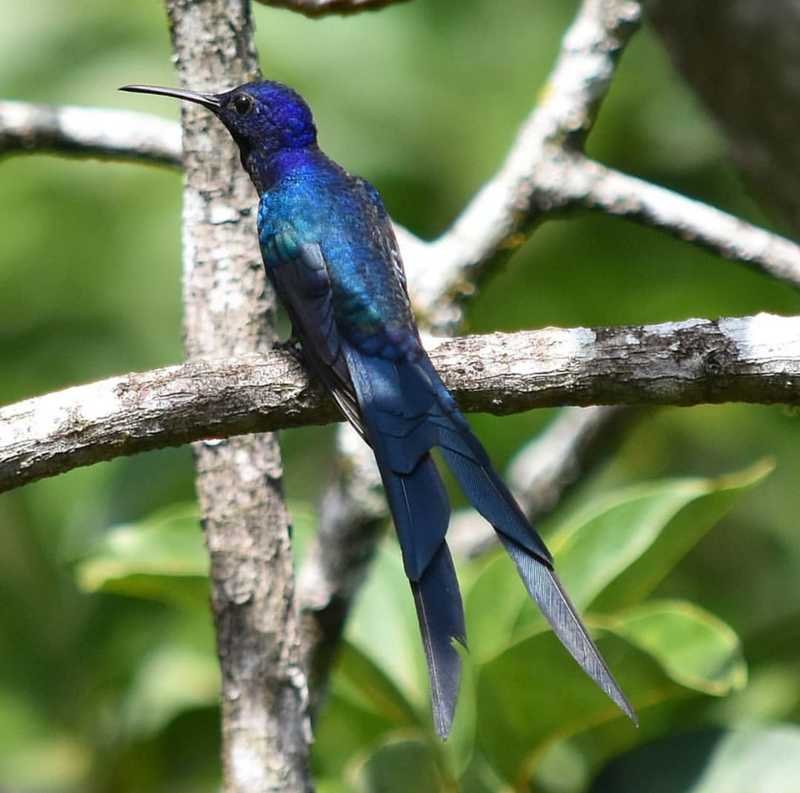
751,359
230,311
88,132
318,8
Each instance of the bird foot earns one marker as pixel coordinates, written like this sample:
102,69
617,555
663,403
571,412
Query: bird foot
293,347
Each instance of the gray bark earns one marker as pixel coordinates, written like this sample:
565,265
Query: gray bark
751,359
230,311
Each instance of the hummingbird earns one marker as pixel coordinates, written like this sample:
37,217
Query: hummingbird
330,252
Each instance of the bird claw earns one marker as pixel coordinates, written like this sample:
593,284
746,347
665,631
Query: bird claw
293,347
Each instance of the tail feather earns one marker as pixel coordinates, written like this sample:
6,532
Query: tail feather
421,511
441,621
488,493
490,496
545,588
406,410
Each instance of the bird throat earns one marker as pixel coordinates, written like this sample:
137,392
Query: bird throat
268,167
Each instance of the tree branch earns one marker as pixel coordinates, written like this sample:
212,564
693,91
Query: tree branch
502,214
558,182
230,311
578,181
318,8
751,359
88,132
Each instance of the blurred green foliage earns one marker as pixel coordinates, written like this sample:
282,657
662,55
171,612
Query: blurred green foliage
107,679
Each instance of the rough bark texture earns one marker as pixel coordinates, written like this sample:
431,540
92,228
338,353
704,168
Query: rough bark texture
742,59
229,311
752,359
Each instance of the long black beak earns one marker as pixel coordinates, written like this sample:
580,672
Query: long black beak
211,101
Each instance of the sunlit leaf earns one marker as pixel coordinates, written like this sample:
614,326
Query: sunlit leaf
358,678
345,730
534,693
493,605
698,505
695,649
459,748
161,557
622,544
171,679
383,626
480,777
34,753
399,765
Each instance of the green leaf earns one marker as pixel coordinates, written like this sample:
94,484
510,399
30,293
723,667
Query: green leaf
695,648
161,558
493,606
171,679
344,730
36,753
383,627
534,693
697,506
358,678
616,550
459,748
480,777
611,554
711,761
397,766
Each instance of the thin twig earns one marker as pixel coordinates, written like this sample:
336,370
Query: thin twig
578,181
88,132
501,216
751,359
318,8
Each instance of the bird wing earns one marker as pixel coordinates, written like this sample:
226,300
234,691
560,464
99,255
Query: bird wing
377,396
300,277
370,357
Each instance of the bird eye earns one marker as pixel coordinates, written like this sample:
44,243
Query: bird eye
243,104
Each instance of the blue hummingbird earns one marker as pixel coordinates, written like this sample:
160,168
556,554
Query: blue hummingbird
331,254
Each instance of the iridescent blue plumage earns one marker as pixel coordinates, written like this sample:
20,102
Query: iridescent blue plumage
330,252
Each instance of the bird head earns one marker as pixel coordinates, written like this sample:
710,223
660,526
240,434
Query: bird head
264,117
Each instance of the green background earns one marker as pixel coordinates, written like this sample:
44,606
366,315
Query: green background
424,100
